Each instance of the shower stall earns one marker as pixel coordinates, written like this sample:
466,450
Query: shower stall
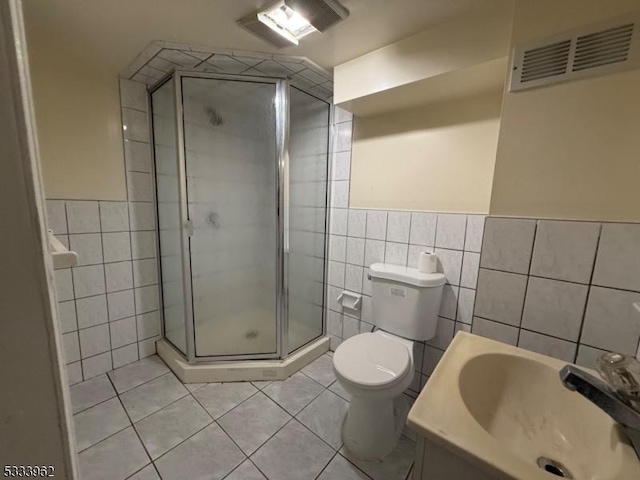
241,175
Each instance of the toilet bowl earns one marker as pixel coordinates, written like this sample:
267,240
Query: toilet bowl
375,368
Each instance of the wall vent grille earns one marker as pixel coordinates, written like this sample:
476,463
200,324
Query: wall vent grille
591,51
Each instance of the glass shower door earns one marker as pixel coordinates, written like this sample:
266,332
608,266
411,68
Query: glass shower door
232,197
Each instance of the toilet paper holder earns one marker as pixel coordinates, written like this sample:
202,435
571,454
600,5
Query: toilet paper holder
350,300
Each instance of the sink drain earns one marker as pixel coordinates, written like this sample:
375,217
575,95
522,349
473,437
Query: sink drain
553,467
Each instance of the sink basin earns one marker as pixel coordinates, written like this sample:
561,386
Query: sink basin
505,411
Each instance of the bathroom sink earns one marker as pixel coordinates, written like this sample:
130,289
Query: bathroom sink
505,411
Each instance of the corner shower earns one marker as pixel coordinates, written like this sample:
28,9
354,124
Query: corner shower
241,173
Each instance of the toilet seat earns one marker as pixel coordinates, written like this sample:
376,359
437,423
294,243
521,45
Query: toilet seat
372,361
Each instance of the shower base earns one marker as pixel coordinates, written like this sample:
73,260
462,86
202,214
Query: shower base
243,370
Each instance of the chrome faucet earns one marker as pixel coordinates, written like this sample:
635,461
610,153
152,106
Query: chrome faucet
618,395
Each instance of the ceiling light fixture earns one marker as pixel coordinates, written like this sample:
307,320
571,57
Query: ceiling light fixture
287,22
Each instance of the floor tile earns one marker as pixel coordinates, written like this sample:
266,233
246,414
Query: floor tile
294,453
252,423
152,396
99,422
219,398
208,455
262,385
192,387
394,466
325,416
294,393
321,370
165,429
337,388
246,471
137,373
147,473
340,468
90,393
115,458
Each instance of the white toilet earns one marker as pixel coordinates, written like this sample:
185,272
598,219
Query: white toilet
375,368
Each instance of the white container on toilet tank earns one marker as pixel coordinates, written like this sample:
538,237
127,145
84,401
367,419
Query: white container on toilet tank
401,303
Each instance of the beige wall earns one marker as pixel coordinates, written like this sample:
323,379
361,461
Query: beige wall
570,150
436,157
79,126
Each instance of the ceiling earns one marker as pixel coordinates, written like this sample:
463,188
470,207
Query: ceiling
113,32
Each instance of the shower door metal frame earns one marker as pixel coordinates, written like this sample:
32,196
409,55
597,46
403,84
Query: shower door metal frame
282,114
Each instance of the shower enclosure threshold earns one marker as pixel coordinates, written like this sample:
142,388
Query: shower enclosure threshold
243,370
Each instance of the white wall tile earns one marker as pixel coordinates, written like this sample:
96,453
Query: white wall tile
373,252
450,263
147,299
124,355
332,298
554,308
114,216
353,278
336,274
143,245
92,311
88,246
507,244
355,251
611,322
500,296
495,331
119,276
423,229
94,340
123,332
148,325
74,373
461,327
339,221
396,253
341,166
117,247
341,115
431,358
88,281
121,304
140,187
56,216
588,356
145,272
337,248
133,94
367,308
466,301
137,156
334,323
71,347
135,125
398,224
350,327
64,284
366,282
83,217
565,250
376,225
340,194
618,262
449,302
357,223
142,216
475,231
470,265
444,334
147,347
450,231
67,316
343,137
552,347
94,366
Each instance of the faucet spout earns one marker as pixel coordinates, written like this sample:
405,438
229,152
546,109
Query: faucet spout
603,396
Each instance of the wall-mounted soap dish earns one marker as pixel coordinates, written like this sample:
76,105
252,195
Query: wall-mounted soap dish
62,256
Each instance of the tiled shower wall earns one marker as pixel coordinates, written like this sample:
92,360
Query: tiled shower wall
108,303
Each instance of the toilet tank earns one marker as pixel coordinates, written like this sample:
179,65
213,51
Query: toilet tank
405,302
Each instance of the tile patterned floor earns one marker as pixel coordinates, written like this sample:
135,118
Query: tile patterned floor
140,422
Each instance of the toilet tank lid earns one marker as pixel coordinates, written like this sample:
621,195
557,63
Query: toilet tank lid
407,275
